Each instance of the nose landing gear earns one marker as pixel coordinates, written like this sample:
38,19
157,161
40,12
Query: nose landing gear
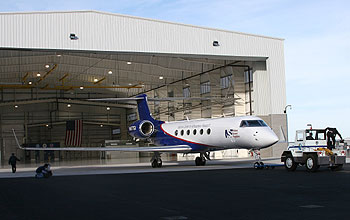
258,165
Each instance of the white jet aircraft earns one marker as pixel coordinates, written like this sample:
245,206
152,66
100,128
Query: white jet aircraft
192,136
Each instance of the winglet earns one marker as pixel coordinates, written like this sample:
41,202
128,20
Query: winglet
14,134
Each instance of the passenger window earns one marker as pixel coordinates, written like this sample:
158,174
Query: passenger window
208,131
188,132
201,131
182,132
194,131
176,132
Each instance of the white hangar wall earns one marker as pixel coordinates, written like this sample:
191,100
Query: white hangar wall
98,31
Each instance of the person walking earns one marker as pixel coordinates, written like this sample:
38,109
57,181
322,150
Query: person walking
12,161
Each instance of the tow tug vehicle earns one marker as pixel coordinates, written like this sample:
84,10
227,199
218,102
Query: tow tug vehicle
310,149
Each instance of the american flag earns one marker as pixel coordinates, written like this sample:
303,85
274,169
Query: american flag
74,133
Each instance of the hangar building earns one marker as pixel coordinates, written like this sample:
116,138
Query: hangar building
52,62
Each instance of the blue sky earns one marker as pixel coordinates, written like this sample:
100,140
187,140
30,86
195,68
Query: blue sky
316,33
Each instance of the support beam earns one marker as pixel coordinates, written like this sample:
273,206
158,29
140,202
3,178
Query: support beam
13,86
68,101
65,76
25,77
46,87
100,80
64,122
47,73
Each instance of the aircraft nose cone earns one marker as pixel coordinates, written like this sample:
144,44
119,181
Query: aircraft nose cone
268,138
272,139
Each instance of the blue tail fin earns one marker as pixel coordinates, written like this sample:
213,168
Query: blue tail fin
143,109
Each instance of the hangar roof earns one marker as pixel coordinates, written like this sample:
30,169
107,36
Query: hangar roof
96,31
135,17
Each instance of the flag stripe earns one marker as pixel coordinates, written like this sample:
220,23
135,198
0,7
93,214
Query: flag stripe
74,131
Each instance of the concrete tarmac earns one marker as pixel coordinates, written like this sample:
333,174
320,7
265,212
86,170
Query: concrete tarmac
199,194
69,168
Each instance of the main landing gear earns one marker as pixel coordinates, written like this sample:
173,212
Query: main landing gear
201,160
156,161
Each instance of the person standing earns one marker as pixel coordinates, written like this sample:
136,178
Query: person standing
331,134
12,161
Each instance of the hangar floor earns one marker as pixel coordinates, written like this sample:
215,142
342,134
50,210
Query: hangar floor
207,194
95,167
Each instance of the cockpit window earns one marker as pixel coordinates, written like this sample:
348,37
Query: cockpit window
253,123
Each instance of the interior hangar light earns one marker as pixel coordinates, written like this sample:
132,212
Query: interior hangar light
38,74
161,77
110,72
47,66
81,87
129,63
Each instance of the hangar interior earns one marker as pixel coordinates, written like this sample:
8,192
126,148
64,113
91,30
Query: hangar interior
42,88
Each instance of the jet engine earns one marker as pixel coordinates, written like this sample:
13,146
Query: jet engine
141,129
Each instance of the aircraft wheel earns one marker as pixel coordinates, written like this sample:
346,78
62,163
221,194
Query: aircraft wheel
311,163
198,161
261,165
159,163
154,163
290,164
257,165
203,161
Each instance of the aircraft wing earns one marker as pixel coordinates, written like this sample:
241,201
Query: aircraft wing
160,149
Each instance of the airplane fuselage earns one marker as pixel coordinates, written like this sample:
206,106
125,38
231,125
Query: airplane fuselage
216,134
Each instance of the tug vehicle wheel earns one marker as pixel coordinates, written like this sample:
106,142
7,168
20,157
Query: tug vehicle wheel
290,164
311,163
